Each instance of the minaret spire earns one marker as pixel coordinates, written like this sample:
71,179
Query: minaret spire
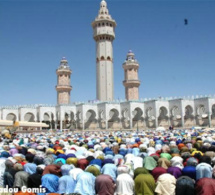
104,34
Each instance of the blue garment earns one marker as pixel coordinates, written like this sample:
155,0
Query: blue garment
96,162
110,169
203,170
189,171
109,153
65,169
50,182
5,154
135,151
129,151
62,160
30,168
85,184
62,156
66,184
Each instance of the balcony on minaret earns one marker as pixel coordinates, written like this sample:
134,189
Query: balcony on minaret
131,83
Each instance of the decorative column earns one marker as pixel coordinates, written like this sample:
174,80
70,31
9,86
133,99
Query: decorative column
131,81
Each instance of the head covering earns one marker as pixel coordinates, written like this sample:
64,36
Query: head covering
110,169
66,184
140,170
65,169
203,170
185,186
144,184
157,171
175,171
93,169
75,172
85,183
189,171
50,182
52,169
104,184
165,184
72,160
124,184
30,168
82,163
205,186
149,163
163,162
21,179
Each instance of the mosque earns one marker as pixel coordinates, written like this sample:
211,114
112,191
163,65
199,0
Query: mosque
107,113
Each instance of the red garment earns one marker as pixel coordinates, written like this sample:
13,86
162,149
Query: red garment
157,171
104,185
205,186
82,163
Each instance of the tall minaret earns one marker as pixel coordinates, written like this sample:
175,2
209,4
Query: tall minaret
63,82
103,33
131,81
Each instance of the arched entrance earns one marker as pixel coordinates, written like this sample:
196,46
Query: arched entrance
29,117
163,117
175,118
114,121
91,122
11,117
189,117
48,118
150,118
137,119
201,116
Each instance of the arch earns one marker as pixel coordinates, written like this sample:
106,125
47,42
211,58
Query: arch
175,116
188,117
114,120
91,122
29,117
102,58
137,113
188,111
163,112
11,117
163,117
137,120
125,118
108,58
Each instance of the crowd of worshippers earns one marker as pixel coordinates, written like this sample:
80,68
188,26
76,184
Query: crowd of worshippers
177,162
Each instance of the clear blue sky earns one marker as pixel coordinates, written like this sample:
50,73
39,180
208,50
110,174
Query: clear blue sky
175,59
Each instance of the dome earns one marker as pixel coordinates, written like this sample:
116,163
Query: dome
103,3
130,51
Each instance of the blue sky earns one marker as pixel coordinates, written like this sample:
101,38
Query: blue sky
175,59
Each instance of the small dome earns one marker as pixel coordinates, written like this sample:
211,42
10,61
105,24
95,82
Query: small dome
103,3
130,51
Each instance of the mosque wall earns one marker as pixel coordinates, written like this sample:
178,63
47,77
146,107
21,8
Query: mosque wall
120,115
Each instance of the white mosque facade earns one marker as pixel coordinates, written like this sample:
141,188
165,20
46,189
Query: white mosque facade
107,113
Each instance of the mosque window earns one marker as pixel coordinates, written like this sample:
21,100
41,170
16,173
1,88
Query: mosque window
103,24
111,25
99,24
105,12
102,58
108,58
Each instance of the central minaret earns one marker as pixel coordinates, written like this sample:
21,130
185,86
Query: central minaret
103,33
